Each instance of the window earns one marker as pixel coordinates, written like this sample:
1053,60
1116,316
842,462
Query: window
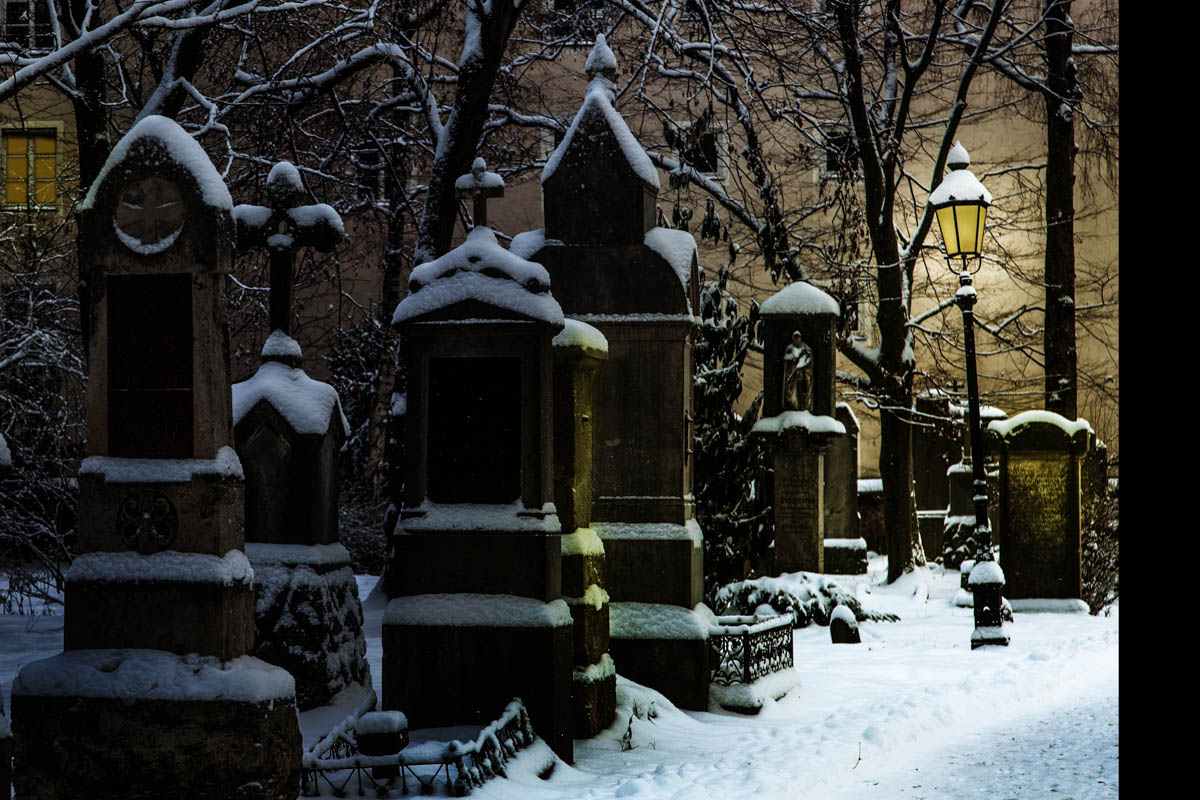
30,167
700,146
27,25
841,152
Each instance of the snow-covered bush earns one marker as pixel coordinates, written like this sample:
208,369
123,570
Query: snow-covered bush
1101,549
730,468
810,597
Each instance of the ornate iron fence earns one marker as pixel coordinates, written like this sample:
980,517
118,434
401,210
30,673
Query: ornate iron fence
745,649
335,761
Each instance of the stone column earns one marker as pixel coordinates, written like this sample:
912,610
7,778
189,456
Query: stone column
579,352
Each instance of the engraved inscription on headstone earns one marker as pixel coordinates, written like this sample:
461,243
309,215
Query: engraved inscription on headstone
1039,549
799,515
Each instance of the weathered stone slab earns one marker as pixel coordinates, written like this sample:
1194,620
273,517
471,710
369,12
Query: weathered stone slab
136,725
1040,533
664,647
653,562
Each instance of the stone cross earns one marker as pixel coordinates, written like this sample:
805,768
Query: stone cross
283,228
479,185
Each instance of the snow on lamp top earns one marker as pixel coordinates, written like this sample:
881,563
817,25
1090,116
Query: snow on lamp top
480,270
177,147
960,185
598,105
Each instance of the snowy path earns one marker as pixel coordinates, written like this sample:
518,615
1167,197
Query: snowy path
1067,751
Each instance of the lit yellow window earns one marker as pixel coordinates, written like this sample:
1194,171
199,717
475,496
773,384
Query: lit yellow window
30,164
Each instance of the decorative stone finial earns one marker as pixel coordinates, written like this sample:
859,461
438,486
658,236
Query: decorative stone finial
601,62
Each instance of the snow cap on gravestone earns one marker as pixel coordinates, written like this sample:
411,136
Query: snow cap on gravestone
179,149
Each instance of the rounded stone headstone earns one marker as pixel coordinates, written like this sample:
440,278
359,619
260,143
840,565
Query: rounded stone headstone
843,626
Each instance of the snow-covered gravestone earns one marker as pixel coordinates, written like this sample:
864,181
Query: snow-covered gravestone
155,689
475,577
638,285
798,422
288,429
1040,534
845,549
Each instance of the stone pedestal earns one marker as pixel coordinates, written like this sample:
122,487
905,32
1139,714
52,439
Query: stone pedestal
664,647
308,618
799,441
1040,514
132,724
480,651
6,751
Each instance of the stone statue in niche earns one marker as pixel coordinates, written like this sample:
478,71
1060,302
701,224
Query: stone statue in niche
797,375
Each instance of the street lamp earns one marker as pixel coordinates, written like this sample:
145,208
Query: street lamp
960,202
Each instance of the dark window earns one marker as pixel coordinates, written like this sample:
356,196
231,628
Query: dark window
474,430
703,152
841,152
27,24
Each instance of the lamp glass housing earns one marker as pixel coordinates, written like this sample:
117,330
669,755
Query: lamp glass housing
962,228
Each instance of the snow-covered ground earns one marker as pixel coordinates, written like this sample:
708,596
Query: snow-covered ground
912,712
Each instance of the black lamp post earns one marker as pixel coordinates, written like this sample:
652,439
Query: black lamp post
961,202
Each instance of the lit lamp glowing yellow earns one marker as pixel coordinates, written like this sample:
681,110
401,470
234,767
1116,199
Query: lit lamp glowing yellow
961,203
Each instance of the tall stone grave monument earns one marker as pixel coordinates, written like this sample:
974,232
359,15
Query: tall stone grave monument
1040,515
155,693
579,351
798,423
638,284
476,616
288,429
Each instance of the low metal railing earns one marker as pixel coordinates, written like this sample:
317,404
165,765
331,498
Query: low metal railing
335,761
745,649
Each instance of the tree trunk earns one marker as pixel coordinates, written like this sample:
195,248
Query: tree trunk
1062,91
899,504
459,141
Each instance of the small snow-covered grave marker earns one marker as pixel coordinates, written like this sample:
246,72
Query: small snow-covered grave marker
479,185
159,607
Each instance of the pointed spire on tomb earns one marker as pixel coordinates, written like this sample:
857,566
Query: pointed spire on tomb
597,113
